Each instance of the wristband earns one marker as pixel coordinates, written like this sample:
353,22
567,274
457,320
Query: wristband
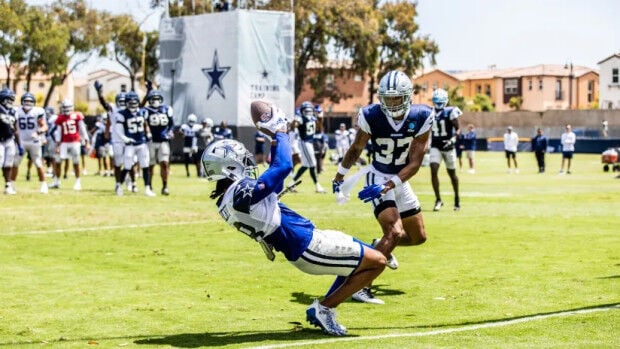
341,170
396,180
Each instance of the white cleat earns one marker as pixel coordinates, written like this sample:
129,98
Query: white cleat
149,192
8,190
77,186
325,318
365,296
319,189
392,262
44,189
119,189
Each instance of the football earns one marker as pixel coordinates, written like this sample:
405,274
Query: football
261,111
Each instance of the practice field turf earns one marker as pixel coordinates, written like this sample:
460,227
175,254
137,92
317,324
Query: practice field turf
530,260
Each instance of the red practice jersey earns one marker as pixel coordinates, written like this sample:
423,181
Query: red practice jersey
69,126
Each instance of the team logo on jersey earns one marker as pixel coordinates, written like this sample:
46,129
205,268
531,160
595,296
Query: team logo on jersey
215,74
411,127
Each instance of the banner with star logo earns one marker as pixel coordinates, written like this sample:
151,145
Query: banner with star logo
214,65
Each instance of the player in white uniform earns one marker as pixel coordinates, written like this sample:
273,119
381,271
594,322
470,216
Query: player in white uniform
32,127
251,205
342,141
190,132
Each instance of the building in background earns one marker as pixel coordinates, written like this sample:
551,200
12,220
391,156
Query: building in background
39,87
113,83
610,82
541,87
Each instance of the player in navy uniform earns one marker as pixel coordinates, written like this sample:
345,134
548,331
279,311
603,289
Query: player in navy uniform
251,205
9,139
399,133
306,125
445,131
190,132
161,123
133,129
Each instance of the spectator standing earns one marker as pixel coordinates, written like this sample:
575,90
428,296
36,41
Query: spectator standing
539,147
342,141
469,145
222,132
605,126
459,147
568,140
511,142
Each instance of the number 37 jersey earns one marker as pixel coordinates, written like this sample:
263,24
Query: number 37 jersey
390,139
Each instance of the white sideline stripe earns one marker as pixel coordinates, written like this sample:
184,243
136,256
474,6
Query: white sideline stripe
107,227
444,331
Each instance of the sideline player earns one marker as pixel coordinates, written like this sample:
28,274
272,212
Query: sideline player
306,126
32,128
9,139
161,124
399,132
251,205
445,131
70,132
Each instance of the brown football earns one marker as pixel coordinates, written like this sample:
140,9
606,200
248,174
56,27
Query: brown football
260,111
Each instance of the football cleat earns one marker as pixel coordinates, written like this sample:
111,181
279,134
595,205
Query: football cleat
319,189
365,296
165,191
392,262
438,205
119,189
134,188
77,185
149,192
9,190
325,318
44,189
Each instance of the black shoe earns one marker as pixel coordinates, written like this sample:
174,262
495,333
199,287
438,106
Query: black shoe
28,176
164,191
457,204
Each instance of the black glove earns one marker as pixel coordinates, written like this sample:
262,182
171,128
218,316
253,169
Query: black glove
98,86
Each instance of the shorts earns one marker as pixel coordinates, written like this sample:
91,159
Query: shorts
307,154
8,149
402,197
511,154
567,155
330,252
70,151
448,156
34,151
159,152
139,151
470,154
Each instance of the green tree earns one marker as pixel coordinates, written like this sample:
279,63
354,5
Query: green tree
515,102
455,98
481,102
88,35
11,35
131,45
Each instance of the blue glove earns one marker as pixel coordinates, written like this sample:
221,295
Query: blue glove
371,192
336,186
20,150
98,85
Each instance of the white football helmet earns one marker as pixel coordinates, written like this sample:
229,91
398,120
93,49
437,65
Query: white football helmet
66,106
192,119
209,122
395,89
440,98
228,158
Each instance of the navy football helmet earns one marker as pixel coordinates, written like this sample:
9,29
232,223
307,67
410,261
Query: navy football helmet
133,101
120,100
307,109
155,98
28,101
7,97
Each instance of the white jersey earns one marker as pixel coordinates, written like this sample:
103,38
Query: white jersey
511,141
342,139
114,136
28,124
568,140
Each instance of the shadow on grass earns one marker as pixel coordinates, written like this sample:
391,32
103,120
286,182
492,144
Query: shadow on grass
197,340
380,291
609,277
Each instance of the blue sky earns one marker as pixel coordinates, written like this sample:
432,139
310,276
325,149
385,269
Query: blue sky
475,34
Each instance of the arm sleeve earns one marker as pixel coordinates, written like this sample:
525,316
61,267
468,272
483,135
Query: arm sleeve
103,102
83,131
272,180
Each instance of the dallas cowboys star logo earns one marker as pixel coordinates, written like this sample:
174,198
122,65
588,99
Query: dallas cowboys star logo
246,190
215,74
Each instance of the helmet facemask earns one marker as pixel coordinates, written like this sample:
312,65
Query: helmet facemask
155,102
228,159
395,90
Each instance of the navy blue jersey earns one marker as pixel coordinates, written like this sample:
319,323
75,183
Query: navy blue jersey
252,206
320,140
160,122
133,124
469,140
7,123
306,127
390,140
443,127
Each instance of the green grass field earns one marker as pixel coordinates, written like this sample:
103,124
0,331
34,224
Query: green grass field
90,269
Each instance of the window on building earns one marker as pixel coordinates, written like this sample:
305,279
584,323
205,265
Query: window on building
540,84
357,78
511,86
614,76
590,91
123,88
478,89
558,89
529,84
487,90
434,86
41,85
329,82
424,87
